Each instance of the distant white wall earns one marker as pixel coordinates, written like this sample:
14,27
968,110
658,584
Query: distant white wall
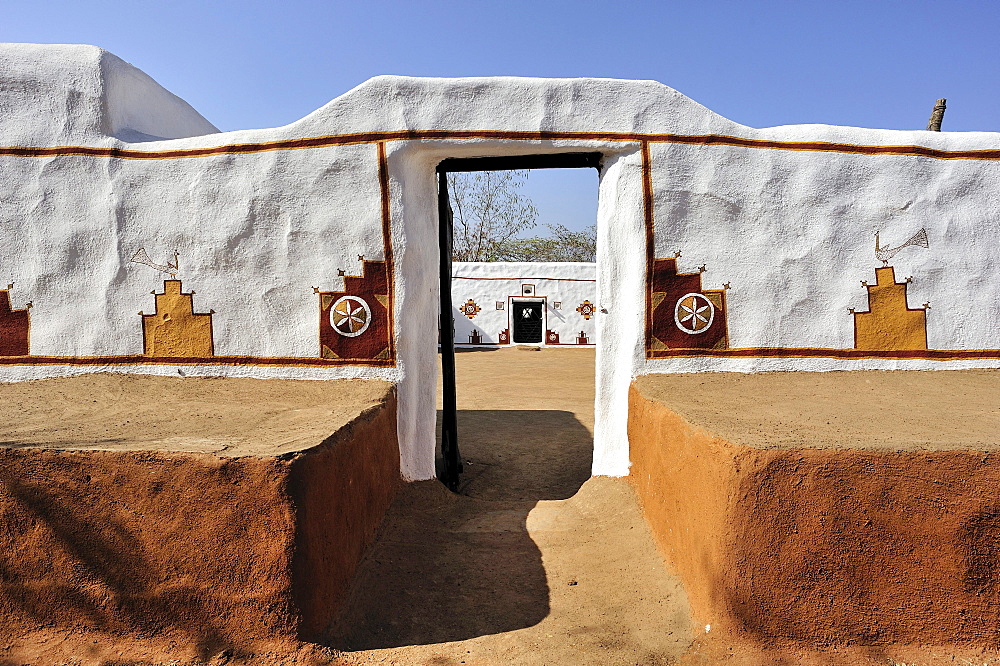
566,291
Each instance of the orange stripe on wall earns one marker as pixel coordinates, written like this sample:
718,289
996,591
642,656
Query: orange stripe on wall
138,359
424,135
814,352
385,200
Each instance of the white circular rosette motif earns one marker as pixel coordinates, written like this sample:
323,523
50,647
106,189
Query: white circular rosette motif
694,313
350,316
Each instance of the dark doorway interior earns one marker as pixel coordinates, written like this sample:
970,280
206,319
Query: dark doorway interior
527,321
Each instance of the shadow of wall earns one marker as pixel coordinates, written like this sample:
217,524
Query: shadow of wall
450,567
528,455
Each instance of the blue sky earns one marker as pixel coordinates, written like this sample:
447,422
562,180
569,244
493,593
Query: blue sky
262,64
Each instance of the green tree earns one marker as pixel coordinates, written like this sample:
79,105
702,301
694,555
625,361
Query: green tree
489,214
562,244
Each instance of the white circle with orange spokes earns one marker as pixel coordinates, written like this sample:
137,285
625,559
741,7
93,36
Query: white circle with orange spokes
350,316
694,313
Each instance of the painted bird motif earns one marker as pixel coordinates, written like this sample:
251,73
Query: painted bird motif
919,238
140,257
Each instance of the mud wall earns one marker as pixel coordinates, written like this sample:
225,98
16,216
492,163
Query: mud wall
340,494
220,552
821,547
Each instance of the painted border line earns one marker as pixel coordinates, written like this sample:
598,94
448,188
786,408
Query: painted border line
140,359
991,154
819,352
521,279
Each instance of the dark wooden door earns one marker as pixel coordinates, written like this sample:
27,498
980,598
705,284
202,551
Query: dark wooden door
527,321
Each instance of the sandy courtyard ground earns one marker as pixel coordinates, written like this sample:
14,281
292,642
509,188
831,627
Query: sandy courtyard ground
531,563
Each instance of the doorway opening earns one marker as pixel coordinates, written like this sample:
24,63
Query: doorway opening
527,313
527,322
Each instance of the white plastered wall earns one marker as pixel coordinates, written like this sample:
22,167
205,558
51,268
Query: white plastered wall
620,231
621,273
790,228
562,287
793,234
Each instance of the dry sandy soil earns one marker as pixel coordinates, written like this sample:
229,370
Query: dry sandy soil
88,560
531,563
872,410
225,417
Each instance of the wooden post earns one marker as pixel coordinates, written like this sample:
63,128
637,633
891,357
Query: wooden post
449,405
937,115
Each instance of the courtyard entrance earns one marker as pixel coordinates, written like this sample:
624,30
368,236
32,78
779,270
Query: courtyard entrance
531,561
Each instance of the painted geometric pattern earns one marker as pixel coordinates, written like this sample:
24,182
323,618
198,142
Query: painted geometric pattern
685,316
14,325
586,310
175,330
354,323
470,309
890,324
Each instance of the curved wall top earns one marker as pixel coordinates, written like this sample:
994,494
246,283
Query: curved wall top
70,94
144,240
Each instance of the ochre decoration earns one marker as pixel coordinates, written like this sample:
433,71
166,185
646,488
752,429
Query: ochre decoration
889,324
354,323
470,309
475,338
694,313
14,326
682,314
175,329
551,337
350,316
656,345
504,337
586,310
582,339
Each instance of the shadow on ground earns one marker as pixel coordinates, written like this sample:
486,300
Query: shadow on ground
449,567
524,455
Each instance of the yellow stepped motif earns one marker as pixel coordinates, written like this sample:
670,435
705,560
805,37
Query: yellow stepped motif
175,329
889,324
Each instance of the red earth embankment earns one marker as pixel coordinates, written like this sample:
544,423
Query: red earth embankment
246,537
814,510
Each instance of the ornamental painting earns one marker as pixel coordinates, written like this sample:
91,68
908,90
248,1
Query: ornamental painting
470,309
174,329
684,315
890,324
14,326
354,323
